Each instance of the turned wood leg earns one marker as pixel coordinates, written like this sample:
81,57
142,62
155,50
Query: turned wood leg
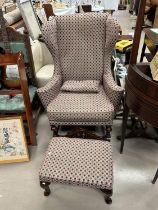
55,130
45,186
108,130
107,196
124,124
143,53
155,177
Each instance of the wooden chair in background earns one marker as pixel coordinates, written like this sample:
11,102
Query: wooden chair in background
11,42
48,9
19,42
84,8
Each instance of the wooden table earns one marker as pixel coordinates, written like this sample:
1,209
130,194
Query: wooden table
151,38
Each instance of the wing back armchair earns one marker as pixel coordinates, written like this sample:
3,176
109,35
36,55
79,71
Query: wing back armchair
81,46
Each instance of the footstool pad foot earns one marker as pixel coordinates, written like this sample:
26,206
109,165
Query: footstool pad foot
46,193
108,200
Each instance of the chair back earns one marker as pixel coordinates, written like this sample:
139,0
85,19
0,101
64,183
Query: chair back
81,41
78,44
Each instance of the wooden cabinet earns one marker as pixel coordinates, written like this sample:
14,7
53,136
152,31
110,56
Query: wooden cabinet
141,91
27,115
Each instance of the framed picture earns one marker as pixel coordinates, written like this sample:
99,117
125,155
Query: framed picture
13,147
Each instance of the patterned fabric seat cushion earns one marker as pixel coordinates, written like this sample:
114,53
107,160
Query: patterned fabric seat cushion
84,162
91,86
79,108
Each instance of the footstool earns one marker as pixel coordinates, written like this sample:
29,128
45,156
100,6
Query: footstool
83,162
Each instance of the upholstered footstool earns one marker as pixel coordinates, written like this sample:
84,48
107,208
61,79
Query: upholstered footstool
83,162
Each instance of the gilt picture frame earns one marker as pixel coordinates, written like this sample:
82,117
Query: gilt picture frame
13,146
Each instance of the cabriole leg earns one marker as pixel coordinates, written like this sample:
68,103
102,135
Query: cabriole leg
45,186
108,194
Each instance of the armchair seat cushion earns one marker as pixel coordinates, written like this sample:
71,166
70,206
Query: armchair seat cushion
81,108
44,75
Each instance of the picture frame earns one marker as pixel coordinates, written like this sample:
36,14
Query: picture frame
13,146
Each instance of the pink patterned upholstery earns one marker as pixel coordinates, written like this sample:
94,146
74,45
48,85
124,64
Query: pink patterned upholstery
81,39
81,46
81,109
50,90
84,162
113,91
89,86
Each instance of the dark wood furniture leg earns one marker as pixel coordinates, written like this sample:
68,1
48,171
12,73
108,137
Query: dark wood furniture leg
85,132
143,52
155,177
108,130
138,129
45,186
124,124
108,194
55,130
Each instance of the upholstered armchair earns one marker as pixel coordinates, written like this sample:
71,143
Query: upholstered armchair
81,46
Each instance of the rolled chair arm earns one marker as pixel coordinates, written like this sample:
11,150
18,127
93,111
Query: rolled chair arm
112,90
50,90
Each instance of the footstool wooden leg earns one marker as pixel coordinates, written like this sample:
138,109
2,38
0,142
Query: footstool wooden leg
45,186
108,130
108,200
108,194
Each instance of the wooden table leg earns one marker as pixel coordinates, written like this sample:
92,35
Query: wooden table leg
155,177
124,124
